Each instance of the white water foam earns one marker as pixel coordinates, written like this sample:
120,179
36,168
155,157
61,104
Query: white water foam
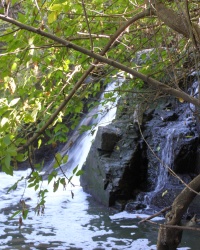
67,223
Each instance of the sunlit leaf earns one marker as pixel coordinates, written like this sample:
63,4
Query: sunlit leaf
52,17
14,66
39,143
4,121
65,159
34,115
180,99
164,193
14,102
56,7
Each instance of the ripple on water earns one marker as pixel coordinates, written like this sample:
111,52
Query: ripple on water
68,223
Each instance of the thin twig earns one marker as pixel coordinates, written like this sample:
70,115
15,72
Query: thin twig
174,226
88,26
154,215
69,181
41,15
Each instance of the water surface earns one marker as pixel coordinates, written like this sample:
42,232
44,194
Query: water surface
78,223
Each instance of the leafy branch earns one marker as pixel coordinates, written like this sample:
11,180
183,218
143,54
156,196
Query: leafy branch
99,58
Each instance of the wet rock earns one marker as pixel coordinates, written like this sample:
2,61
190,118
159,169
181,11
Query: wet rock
167,116
134,206
115,176
107,137
122,160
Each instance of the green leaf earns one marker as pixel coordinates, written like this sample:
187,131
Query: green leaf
80,172
143,56
70,178
56,7
7,160
52,17
56,185
16,213
39,143
20,157
42,202
65,159
189,136
7,170
63,182
14,187
24,213
58,160
31,185
14,66
56,164
75,169
12,151
52,175
28,118
34,115
108,95
6,140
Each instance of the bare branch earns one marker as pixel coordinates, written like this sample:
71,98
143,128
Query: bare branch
88,26
154,215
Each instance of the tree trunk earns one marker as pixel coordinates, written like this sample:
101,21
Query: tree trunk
169,238
176,21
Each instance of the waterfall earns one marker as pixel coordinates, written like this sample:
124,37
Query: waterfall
166,161
167,158
78,145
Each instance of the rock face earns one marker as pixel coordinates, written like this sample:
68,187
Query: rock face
113,169
128,164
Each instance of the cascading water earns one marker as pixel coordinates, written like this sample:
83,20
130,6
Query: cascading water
76,223
78,145
166,161
68,222
175,130
167,158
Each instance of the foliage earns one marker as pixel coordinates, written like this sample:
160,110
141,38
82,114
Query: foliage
41,78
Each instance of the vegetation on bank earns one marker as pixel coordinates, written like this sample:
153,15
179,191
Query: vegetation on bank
50,48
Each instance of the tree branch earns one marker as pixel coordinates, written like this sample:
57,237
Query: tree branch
171,237
68,44
99,58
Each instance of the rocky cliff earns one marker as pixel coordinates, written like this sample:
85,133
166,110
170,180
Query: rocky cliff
128,164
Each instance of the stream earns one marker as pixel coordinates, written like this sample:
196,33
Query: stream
73,221
78,223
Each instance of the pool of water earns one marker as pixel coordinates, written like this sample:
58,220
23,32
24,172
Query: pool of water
73,223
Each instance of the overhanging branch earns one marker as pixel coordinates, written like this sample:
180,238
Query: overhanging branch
81,80
98,58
